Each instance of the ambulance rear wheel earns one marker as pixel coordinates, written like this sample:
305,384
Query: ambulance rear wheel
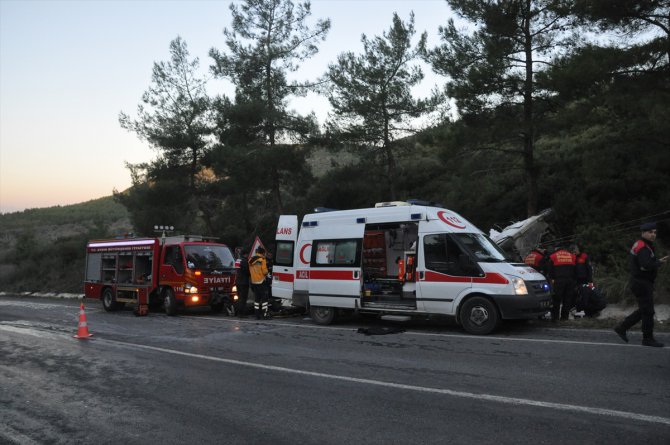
169,302
322,314
479,316
108,302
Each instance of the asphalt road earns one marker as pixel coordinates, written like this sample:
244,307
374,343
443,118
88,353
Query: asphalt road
202,378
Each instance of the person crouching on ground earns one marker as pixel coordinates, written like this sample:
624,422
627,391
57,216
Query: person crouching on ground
643,270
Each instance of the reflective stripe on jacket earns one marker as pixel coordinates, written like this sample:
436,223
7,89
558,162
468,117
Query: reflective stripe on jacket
258,269
562,265
643,262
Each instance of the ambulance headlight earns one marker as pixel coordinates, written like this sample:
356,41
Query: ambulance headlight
519,286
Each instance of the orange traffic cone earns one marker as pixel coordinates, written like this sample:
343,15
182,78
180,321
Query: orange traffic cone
82,331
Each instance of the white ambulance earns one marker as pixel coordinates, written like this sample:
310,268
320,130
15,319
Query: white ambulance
399,260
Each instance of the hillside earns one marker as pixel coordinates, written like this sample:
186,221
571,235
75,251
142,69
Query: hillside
43,249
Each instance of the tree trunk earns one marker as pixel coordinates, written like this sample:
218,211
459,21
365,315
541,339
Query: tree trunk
390,160
528,119
194,167
276,190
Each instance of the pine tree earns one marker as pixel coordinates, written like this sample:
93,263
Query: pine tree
371,94
268,40
492,73
174,114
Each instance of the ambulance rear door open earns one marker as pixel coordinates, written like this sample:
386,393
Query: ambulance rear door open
283,270
335,274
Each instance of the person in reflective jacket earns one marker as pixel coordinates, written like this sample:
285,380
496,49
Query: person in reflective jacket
537,259
583,269
258,270
561,272
643,270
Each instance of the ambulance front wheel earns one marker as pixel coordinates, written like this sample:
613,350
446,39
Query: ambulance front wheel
169,302
322,315
479,316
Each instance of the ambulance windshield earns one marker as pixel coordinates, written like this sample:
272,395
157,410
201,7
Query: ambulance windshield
208,257
482,247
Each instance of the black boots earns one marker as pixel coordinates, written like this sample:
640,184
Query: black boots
651,342
621,332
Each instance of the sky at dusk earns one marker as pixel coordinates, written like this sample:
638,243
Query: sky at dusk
67,68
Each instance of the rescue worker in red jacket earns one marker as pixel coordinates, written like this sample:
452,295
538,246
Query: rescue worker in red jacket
583,269
561,273
258,271
537,259
643,269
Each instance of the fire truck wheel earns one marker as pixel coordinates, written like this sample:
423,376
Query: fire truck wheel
322,315
479,316
169,302
108,302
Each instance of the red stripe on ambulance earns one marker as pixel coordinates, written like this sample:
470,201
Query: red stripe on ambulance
287,277
489,278
342,275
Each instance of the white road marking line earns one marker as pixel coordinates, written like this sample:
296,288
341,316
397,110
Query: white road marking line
462,394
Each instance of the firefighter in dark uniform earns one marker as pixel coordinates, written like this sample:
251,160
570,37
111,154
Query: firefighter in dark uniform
561,273
583,278
537,259
258,270
643,269
242,283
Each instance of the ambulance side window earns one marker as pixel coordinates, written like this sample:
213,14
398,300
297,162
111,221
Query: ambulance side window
441,254
284,256
336,253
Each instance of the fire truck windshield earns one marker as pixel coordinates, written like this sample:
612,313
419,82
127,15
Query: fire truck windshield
208,257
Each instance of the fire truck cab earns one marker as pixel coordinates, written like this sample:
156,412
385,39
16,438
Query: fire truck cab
399,260
175,272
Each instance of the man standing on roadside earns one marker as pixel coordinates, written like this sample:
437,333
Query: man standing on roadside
258,270
561,273
643,269
242,283
537,259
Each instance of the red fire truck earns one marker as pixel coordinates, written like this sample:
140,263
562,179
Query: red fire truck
174,272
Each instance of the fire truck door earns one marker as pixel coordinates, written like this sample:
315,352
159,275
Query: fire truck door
172,266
